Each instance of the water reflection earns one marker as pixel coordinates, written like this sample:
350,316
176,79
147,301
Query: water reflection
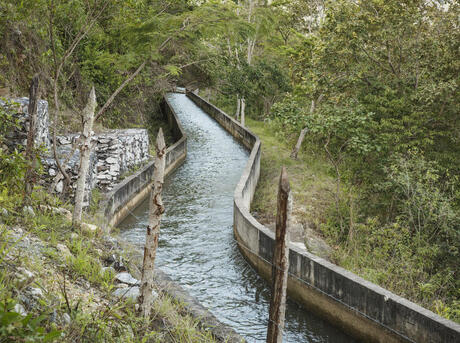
196,245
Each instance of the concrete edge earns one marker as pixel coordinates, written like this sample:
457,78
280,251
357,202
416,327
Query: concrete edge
175,156
386,334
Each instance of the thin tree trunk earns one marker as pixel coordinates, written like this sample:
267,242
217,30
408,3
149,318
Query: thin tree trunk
120,88
280,262
238,107
30,153
243,108
296,149
85,152
153,230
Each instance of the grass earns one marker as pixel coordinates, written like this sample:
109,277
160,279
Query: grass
95,315
311,184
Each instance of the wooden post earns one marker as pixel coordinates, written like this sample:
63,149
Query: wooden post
238,105
243,109
30,153
280,262
85,152
153,230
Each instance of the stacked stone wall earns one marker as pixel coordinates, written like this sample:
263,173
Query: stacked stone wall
115,152
18,137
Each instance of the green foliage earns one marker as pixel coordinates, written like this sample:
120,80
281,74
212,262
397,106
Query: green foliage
12,163
84,264
17,328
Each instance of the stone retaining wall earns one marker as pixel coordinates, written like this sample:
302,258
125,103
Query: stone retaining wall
19,136
114,151
357,306
131,191
72,168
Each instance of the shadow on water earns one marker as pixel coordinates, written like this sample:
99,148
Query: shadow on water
197,248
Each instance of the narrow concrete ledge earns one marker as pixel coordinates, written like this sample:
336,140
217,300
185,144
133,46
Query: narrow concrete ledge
361,308
128,194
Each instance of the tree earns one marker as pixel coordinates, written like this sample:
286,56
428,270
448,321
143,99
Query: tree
30,148
85,153
156,210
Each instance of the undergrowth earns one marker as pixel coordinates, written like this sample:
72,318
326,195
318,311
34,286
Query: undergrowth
400,255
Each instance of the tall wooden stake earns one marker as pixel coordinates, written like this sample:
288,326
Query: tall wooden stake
30,154
85,153
280,262
153,230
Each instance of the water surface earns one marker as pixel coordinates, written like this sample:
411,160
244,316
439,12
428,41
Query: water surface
197,248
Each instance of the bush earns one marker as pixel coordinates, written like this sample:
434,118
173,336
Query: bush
15,327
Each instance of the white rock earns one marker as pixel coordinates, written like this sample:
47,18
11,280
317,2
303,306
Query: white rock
111,160
130,293
36,292
18,308
29,211
89,227
59,187
63,211
25,276
51,172
115,167
66,318
126,278
64,250
73,236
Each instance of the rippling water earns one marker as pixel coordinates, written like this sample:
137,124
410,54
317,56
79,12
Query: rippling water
197,248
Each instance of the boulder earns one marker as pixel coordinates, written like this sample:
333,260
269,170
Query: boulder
126,278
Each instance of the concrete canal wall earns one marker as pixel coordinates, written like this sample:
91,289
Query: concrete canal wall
361,308
128,194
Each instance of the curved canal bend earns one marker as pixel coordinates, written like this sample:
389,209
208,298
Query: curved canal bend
197,248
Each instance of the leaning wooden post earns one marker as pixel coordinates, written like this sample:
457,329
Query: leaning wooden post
153,230
30,153
85,153
280,262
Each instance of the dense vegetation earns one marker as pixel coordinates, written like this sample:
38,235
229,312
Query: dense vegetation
374,82
376,85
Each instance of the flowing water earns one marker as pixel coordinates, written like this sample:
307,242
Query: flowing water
197,248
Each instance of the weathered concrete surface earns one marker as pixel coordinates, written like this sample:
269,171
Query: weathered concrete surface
134,189
359,307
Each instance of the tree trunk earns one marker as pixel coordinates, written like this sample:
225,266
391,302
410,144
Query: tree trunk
30,153
238,108
296,149
85,152
153,230
243,108
280,262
